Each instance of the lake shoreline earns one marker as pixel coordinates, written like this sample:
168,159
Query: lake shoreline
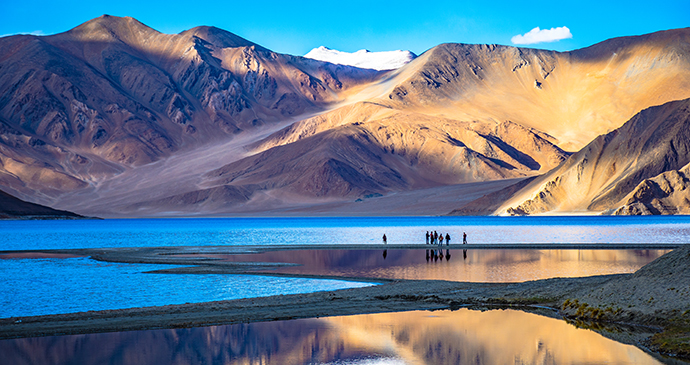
595,302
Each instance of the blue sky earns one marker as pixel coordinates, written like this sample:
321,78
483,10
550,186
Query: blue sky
297,27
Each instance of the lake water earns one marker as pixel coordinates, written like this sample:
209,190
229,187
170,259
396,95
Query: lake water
30,287
26,235
412,338
50,286
469,265
65,285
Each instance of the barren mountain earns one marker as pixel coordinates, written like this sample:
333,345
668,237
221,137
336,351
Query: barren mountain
640,168
572,96
112,94
389,151
423,130
115,118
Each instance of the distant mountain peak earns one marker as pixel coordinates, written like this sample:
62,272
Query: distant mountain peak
363,58
221,37
109,26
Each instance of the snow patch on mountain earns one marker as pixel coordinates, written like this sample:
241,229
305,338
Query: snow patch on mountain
363,58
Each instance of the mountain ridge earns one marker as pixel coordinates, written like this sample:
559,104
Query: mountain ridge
92,117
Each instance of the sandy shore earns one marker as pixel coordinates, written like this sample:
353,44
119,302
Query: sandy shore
657,297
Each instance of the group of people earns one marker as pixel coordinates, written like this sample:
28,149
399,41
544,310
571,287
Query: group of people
433,237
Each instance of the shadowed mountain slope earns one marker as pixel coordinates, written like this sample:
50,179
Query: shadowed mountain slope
667,193
639,168
13,208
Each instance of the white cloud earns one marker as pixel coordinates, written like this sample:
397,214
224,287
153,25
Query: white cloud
537,35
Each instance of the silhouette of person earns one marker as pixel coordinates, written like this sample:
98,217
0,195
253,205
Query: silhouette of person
385,253
464,238
464,254
385,240
440,239
427,237
427,255
447,254
447,239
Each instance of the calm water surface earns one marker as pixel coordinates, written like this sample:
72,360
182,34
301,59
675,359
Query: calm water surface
456,265
23,235
49,286
66,285
30,287
441,337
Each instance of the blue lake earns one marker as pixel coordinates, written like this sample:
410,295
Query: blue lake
30,287
50,286
26,235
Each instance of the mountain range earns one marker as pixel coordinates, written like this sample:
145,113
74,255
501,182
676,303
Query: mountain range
113,118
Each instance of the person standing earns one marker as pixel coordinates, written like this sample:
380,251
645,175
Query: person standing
464,238
447,239
427,237
385,240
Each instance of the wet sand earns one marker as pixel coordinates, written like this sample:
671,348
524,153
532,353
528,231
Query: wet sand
668,310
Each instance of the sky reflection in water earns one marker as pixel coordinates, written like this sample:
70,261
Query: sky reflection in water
442,337
477,265
32,287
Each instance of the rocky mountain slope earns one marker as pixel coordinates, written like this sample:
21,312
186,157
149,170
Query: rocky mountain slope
572,96
111,94
115,118
666,193
640,168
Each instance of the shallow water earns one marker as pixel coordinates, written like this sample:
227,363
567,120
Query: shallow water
26,235
461,265
420,337
52,286
31,287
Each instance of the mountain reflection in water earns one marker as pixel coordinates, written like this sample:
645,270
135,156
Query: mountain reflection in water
421,337
463,265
